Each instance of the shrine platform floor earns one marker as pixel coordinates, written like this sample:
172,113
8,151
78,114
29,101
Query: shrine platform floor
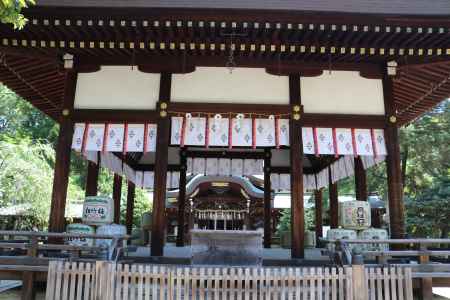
271,257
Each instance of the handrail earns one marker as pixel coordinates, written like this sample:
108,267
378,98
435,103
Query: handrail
63,234
389,241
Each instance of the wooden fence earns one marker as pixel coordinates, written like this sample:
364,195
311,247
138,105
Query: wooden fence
107,280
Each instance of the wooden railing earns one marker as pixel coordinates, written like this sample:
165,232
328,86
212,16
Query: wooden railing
425,271
113,281
41,247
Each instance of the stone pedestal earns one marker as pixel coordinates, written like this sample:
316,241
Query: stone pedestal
226,247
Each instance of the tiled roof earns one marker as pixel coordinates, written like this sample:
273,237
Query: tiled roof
402,7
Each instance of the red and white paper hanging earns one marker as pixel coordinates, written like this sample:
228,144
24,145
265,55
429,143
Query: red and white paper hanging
114,137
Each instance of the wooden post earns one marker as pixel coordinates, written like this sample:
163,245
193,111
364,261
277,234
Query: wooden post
117,195
359,285
92,178
162,146
182,200
334,203
62,159
426,284
131,191
360,180
393,169
318,214
267,200
296,159
28,290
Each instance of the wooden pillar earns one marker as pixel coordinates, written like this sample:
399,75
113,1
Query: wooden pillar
334,204
360,180
92,178
318,214
182,199
131,191
267,200
296,160
62,157
117,194
162,146
394,175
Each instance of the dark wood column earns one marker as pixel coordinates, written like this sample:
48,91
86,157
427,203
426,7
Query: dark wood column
62,159
131,191
394,175
296,159
162,146
334,204
267,200
117,195
360,180
92,178
318,214
182,199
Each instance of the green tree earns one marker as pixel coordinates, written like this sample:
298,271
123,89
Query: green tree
26,177
10,12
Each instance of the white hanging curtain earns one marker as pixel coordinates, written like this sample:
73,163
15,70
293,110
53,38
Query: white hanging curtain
114,137
272,132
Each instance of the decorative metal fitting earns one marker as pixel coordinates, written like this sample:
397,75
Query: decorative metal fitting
163,114
68,61
393,119
296,108
296,117
392,68
65,112
163,105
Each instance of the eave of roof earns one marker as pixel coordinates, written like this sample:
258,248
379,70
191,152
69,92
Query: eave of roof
400,7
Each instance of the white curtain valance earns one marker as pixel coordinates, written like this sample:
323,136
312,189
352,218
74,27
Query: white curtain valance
140,178
225,166
272,132
114,137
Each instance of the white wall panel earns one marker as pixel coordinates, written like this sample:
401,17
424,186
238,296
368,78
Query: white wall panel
117,87
217,85
342,92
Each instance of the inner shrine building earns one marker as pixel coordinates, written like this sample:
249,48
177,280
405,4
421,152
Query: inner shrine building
165,93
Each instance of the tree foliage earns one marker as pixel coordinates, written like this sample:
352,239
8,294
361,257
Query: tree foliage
10,12
26,177
28,139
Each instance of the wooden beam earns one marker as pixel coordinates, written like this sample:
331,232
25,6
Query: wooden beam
267,200
182,199
296,159
92,178
114,115
227,154
343,121
161,160
117,195
62,159
146,167
393,169
225,108
334,204
360,180
318,215
131,192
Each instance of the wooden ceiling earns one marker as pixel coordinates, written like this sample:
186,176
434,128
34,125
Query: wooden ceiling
178,40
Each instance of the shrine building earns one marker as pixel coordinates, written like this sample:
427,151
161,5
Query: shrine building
217,106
